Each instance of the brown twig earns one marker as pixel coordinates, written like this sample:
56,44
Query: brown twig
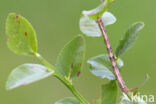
112,57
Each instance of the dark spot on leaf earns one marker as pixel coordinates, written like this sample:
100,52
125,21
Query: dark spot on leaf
18,22
78,74
25,33
80,64
16,16
94,101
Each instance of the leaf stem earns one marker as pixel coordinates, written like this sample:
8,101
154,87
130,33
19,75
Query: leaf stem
66,82
112,57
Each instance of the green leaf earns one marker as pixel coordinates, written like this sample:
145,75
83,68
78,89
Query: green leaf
71,57
101,66
120,63
109,93
129,38
21,35
97,12
68,100
90,27
26,74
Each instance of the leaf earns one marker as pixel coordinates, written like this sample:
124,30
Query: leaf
97,12
101,66
129,38
26,74
108,18
68,100
71,57
90,27
21,35
109,93
120,63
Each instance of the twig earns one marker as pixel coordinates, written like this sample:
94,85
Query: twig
112,57
67,83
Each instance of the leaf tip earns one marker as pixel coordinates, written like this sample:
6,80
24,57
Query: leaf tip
78,74
142,24
14,15
7,86
26,34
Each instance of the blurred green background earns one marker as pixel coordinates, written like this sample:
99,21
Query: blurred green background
56,22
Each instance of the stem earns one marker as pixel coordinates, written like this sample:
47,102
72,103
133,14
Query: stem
66,82
112,57
73,90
